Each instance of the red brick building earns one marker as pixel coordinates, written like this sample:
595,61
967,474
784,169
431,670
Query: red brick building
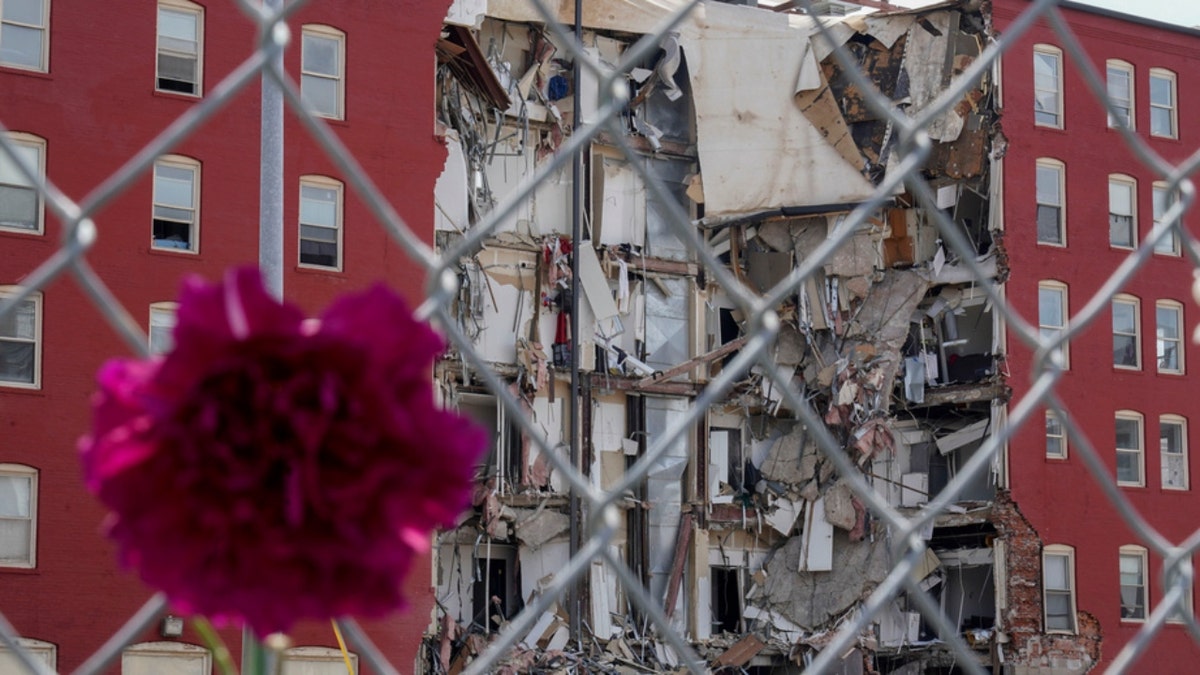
81,91
1077,203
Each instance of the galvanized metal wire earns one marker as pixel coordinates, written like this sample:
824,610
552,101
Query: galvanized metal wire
80,233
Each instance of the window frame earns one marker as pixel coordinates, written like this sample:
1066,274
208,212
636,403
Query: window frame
311,654
43,58
38,144
1060,169
1061,437
324,183
1136,303
1162,198
36,298
177,162
1057,54
1139,452
322,31
1180,345
1181,422
25,471
181,6
40,650
1064,292
161,309
1138,553
1068,554
1131,103
166,649
1172,108
1129,183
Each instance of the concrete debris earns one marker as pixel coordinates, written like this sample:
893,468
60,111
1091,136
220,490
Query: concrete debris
535,527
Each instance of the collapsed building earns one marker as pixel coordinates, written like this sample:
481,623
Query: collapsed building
745,530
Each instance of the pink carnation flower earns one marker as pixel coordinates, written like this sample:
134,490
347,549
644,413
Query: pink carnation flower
270,469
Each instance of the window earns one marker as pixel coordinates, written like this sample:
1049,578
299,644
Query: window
1178,617
1058,583
1126,337
1050,220
1172,441
20,203
156,658
1168,318
42,652
1163,200
322,82
316,661
1056,436
21,342
24,40
1052,315
1130,460
18,515
1047,86
1120,93
162,326
320,222
1162,103
176,203
180,47
1122,226
729,586
1133,583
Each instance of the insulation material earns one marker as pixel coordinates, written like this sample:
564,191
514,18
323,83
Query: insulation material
451,211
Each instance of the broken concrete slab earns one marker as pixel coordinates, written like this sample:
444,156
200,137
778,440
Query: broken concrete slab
535,527
813,600
784,464
839,506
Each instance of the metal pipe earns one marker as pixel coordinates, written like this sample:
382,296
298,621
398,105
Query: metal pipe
270,197
573,600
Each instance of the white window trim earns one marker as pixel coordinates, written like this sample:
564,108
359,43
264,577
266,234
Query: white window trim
159,309
1129,183
1168,200
1061,169
1164,74
1117,64
1052,285
1143,560
40,650
1050,50
25,471
176,650
1067,552
36,297
1140,450
1126,299
329,33
39,144
1180,344
1183,451
198,10
1062,423
44,65
179,161
317,655
328,183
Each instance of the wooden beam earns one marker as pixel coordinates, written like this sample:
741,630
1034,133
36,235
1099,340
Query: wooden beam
682,539
731,346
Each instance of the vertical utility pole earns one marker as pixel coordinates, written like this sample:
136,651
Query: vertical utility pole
270,209
574,599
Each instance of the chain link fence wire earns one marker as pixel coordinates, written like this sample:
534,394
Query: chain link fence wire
80,233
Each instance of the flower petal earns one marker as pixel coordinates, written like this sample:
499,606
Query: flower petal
380,321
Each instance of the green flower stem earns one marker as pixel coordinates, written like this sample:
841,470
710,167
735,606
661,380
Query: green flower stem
216,645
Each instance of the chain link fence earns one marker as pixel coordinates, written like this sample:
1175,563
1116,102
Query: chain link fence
913,148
